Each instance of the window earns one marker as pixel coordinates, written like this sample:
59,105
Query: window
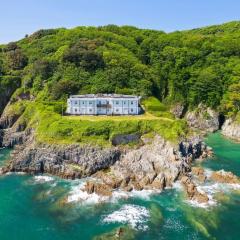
124,103
117,102
90,110
90,102
117,110
83,102
131,110
76,102
132,102
75,110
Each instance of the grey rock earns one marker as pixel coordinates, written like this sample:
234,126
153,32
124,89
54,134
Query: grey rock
231,129
203,118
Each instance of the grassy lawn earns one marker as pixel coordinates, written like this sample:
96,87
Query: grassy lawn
52,128
145,116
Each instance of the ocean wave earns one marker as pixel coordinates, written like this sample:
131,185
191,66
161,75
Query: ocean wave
178,186
15,173
211,190
134,215
77,194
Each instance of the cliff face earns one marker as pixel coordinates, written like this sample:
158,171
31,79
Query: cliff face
154,165
203,118
231,129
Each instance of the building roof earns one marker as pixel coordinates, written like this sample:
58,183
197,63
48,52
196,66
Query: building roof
101,95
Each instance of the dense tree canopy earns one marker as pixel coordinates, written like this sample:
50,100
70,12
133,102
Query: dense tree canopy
191,67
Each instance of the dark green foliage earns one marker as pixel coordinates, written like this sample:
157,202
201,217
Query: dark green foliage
64,87
8,84
83,55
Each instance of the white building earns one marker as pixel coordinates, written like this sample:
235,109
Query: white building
103,104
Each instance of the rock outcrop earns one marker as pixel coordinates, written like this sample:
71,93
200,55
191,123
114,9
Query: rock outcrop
203,118
225,177
198,173
231,129
152,166
65,161
178,110
192,192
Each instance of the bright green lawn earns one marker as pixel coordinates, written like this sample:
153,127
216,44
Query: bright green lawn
51,127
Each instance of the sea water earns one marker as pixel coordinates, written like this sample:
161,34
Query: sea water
46,207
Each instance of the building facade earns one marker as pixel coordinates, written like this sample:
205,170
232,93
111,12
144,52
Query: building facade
103,104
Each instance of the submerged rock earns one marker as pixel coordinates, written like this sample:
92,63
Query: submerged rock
156,217
123,233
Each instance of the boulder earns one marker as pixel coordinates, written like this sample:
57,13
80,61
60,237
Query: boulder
103,190
89,187
192,191
198,172
98,188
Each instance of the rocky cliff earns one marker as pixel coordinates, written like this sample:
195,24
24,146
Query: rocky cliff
231,129
155,164
203,118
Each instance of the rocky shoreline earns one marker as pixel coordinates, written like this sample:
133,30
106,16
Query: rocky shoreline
153,165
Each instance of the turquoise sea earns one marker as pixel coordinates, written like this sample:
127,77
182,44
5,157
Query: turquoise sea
44,207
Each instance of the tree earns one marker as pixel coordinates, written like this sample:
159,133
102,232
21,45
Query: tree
64,87
83,54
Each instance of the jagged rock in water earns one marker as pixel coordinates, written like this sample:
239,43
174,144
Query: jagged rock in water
198,172
192,191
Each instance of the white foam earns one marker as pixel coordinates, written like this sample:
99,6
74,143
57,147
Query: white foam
211,190
135,216
208,172
43,179
178,186
77,194
15,173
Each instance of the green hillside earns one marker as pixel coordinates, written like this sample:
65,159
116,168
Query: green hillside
188,67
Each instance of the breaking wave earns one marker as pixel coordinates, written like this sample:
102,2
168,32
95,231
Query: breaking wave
133,215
